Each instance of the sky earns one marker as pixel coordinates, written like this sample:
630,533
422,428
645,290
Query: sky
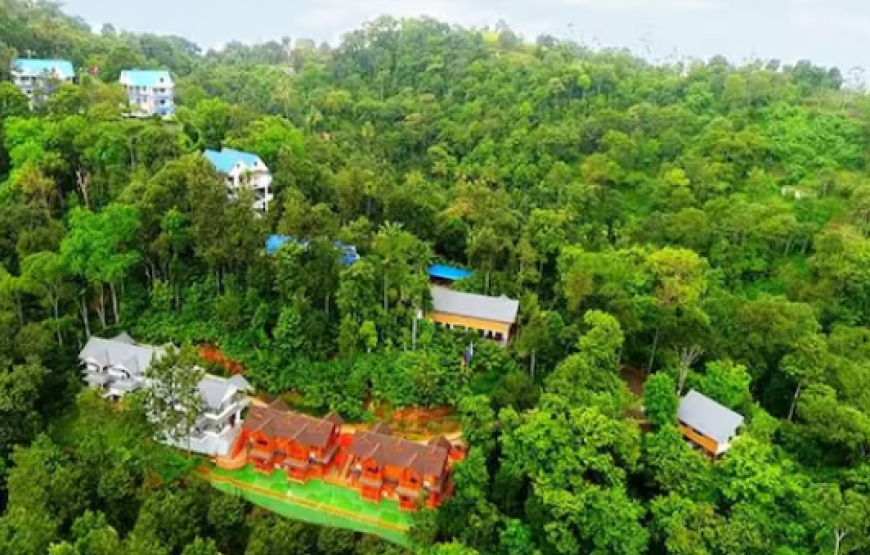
827,32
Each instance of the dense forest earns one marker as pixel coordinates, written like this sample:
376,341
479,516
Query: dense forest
702,223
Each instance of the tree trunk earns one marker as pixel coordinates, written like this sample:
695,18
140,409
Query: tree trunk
794,400
688,357
684,373
838,541
101,309
652,355
56,311
115,307
84,308
414,332
486,284
82,179
532,364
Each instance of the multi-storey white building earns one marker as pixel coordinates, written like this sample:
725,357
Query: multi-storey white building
39,77
243,170
118,366
149,92
220,420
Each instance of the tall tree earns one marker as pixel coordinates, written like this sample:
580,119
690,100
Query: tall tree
173,398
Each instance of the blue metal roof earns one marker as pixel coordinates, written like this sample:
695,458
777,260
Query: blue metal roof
225,160
349,255
442,271
63,68
145,78
275,242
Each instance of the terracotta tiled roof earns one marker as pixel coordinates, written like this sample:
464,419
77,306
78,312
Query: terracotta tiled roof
441,441
277,422
428,460
335,418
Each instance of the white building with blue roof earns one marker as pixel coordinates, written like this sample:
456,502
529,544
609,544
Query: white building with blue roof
243,170
36,77
149,92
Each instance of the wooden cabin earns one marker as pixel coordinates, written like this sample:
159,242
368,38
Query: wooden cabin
706,424
387,466
491,317
302,445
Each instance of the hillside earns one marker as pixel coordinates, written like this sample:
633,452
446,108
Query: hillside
701,225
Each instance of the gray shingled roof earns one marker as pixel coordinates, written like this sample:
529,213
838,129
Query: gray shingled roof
215,389
241,383
112,352
124,337
709,417
496,309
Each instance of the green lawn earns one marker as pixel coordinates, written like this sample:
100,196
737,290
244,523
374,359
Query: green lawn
315,502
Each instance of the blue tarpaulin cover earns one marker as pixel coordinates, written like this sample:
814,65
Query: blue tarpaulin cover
442,271
274,243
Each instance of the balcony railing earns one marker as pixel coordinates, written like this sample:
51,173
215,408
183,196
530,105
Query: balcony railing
126,385
98,378
236,402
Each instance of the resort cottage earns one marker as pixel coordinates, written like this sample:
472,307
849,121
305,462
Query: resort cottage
243,170
149,93
37,78
117,366
375,463
220,422
492,317
707,424
276,438
388,466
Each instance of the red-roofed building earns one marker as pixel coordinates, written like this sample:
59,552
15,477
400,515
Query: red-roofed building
376,463
275,437
387,466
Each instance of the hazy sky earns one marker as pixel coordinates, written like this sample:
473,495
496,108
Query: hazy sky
829,32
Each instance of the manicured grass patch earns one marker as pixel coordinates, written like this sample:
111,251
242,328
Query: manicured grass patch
316,502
